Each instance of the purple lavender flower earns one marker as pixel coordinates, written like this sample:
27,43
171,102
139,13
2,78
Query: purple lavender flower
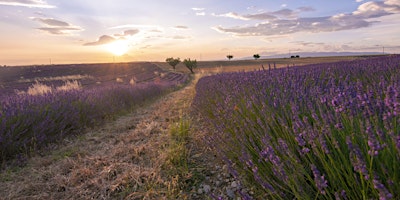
340,195
319,179
383,192
373,143
300,140
357,159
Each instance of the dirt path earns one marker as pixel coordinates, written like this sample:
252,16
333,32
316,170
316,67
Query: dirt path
121,159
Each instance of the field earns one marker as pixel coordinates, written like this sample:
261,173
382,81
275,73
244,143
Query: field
41,104
303,128
321,131
250,65
89,75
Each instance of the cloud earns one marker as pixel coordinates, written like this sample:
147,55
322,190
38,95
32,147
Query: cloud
305,9
130,32
59,31
304,43
198,9
56,27
51,22
105,39
179,37
282,13
232,15
181,27
377,9
27,3
156,31
139,26
286,21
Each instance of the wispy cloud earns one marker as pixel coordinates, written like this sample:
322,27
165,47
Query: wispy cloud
181,27
27,3
305,44
282,13
56,27
180,37
130,32
105,39
286,21
58,30
231,15
139,26
198,9
51,22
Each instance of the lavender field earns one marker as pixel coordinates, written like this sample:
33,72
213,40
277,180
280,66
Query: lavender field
46,104
322,131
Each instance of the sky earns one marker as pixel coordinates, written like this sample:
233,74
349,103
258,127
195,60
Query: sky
77,31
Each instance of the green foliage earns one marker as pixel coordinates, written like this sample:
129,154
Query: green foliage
178,166
190,64
173,61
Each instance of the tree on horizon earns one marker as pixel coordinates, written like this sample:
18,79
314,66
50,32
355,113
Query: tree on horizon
173,61
256,56
229,56
190,64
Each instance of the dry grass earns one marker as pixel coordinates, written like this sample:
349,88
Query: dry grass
40,89
57,78
120,160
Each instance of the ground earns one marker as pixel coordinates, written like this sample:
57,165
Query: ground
122,159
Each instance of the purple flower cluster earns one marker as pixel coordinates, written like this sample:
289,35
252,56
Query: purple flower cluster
292,131
320,181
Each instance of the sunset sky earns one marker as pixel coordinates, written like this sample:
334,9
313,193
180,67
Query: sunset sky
77,31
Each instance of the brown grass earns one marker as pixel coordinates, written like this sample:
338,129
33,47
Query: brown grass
122,159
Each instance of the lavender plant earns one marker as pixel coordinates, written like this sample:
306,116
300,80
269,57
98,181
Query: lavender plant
324,131
31,122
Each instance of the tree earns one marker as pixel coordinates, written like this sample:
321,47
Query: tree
256,56
173,62
229,57
190,64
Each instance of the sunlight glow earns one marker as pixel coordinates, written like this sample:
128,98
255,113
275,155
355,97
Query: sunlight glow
118,48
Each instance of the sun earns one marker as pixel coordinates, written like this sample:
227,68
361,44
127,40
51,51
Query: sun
118,48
